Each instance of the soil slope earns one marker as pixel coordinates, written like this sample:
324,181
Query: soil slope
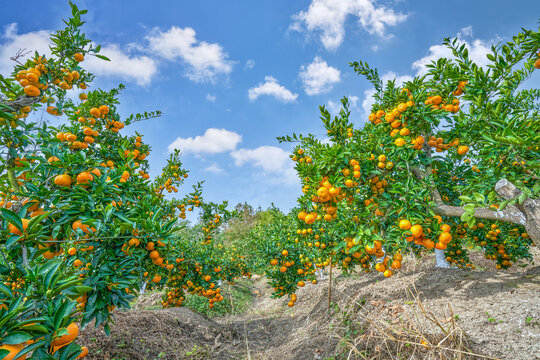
420,313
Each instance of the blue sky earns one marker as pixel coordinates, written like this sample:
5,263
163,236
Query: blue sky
231,76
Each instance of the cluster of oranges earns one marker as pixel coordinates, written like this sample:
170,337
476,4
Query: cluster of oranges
301,157
29,79
392,116
436,102
388,265
210,226
88,137
416,233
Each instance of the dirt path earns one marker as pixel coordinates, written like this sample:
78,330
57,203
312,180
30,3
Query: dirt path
498,314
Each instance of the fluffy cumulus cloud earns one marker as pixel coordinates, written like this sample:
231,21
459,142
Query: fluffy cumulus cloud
11,43
213,141
328,18
271,87
139,69
272,160
205,61
214,168
318,77
478,49
211,98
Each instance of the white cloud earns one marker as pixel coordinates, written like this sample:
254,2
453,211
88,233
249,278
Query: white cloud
329,16
205,60
250,64
318,77
214,168
211,98
140,69
271,160
213,141
11,43
353,100
478,49
368,102
271,87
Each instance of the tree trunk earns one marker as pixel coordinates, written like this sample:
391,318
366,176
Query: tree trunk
143,288
330,284
441,259
529,208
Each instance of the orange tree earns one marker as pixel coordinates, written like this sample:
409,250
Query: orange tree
272,248
82,226
446,161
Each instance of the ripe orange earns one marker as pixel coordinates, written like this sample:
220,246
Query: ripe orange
399,142
273,262
104,109
405,224
95,112
463,149
417,230
14,230
84,178
445,237
437,99
73,331
63,180
537,63
83,353
78,57
388,273
284,253
13,350
31,90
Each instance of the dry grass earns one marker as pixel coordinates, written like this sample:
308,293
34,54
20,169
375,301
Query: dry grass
411,331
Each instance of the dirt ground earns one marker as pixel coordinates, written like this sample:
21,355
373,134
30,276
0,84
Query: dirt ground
420,313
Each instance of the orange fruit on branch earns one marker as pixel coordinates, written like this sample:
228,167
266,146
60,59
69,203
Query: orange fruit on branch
73,331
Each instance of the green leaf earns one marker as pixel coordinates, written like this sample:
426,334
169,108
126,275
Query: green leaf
17,337
6,290
102,57
480,198
465,199
83,289
12,218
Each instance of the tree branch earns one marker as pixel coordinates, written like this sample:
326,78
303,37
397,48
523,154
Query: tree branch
507,215
20,102
526,214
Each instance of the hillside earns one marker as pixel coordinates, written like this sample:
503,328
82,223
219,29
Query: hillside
491,313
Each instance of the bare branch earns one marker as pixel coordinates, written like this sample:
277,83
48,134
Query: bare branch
21,53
